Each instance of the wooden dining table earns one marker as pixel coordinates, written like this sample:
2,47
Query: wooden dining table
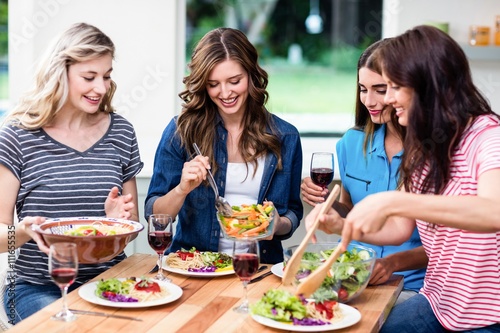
205,306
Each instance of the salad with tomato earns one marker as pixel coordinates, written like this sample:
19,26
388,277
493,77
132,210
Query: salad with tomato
281,305
126,290
95,230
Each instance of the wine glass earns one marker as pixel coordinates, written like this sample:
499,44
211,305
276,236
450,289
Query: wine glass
160,238
245,264
322,169
63,268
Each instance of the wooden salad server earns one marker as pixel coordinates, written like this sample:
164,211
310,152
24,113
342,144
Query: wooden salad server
309,285
292,266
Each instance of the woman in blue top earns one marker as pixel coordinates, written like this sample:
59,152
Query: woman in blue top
369,156
254,155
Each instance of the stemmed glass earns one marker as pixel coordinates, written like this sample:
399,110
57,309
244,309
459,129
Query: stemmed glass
63,268
322,169
160,238
245,264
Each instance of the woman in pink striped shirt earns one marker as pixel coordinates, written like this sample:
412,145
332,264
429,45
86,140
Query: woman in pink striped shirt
450,187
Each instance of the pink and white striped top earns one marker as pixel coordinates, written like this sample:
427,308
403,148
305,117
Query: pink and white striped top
462,282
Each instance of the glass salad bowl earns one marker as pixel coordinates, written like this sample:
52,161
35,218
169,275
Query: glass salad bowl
347,278
254,221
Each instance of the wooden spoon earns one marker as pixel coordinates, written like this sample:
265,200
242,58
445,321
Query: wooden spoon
309,285
292,266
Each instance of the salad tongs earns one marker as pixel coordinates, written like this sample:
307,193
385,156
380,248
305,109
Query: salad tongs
292,266
221,204
312,282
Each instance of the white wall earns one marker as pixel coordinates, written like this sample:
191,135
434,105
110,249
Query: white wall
400,15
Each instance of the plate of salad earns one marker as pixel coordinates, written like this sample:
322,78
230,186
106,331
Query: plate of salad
198,263
130,292
282,310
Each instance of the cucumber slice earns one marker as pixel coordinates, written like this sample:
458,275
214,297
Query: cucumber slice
364,255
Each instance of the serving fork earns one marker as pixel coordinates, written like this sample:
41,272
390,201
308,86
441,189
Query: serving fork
221,204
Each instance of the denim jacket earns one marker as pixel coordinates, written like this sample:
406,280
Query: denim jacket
197,224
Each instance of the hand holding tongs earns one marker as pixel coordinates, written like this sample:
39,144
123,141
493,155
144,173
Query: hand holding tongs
222,205
292,266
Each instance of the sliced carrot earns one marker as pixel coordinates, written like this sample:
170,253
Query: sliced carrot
249,235
232,231
257,230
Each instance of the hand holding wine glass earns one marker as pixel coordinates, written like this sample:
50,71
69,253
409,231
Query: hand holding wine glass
322,169
160,239
245,264
63,268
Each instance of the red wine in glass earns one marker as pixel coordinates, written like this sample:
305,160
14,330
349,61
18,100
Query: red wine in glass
322,176
63,276
159,240
321,169
63,268
245,265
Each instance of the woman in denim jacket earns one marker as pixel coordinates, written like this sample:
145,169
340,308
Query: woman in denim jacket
254,155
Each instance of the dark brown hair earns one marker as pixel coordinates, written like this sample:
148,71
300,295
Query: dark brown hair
362,119
445,101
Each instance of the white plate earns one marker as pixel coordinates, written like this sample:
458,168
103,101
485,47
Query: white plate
87,292
351,317
196,274
277,269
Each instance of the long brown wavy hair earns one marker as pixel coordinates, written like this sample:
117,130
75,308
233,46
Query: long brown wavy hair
197,121
445,101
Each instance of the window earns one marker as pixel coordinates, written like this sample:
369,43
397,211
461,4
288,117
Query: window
309,48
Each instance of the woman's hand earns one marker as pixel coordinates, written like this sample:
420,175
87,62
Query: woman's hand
330,223
193,174
280,226
368,216
382,271
119,206
25,226
312,194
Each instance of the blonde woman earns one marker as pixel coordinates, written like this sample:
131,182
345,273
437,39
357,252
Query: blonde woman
65,153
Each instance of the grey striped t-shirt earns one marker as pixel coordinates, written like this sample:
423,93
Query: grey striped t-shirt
58,181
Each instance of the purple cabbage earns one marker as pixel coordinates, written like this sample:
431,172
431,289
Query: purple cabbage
303,274
206,269
308,322
119,298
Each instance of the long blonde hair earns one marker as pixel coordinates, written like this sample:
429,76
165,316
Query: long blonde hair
81,42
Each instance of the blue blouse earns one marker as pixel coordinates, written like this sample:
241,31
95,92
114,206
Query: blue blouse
364,175
197,224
